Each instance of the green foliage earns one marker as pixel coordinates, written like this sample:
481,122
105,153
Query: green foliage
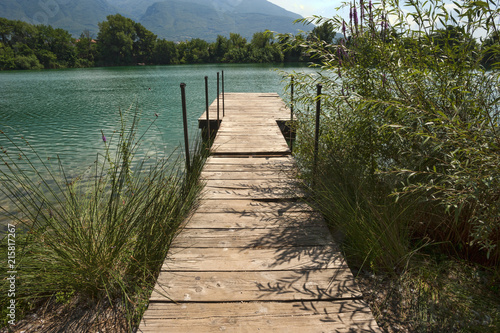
123,41
27,62
165,52
324,32
410,123
491,50
24,46
85,50
195,51
263,49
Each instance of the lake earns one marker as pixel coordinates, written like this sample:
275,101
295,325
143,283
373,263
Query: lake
62,112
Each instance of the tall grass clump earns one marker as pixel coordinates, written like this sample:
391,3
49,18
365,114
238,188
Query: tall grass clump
99,237
409,148
410,141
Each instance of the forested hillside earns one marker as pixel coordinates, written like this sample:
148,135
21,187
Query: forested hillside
174,20
122,41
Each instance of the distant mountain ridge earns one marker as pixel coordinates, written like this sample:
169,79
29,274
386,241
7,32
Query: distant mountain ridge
174,20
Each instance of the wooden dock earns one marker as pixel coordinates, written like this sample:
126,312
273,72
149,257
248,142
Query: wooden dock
254,257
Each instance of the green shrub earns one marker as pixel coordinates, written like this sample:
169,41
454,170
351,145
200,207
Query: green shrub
409,114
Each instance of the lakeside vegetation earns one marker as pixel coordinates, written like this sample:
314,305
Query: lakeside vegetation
122,42
409,154
88,247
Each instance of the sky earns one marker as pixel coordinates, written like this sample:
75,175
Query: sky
307,8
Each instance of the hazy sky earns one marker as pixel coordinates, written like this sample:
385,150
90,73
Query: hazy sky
309,7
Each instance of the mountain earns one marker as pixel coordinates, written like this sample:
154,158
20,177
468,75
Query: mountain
174,20
71,15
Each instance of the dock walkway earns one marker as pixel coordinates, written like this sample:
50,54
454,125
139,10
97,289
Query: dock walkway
253,257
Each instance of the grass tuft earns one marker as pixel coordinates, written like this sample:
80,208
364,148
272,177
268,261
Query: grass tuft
98,238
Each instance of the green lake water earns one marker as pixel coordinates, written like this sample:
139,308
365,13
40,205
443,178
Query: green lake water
62,112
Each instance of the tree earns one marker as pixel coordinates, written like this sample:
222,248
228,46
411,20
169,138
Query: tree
7,57
453,42
324,32
85,49
491,50
55,47
165,52
144,44
238,50
263,50
237,41
121,41
220,48
194,51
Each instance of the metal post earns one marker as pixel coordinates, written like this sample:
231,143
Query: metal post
316,137
223,108
184,118
291,117
218,123
209,134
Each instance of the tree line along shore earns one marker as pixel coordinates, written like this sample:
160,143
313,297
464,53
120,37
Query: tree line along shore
122,42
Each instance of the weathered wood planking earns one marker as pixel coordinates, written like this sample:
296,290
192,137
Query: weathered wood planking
250,207
258,238
281,317
247,259
255,220
253,117
253,256
262,285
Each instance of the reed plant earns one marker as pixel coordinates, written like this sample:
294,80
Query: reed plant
409,147
409,113
100,236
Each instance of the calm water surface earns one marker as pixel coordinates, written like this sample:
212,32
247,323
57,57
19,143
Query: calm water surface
62,112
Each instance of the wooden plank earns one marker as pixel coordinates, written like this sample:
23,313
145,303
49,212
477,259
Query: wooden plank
253,259
285,160
254,179
324,284
249,206
245,137
247,238
248,164
248,150
246,142
238,133
257,188
220,193
289,317
272,175
255,220
235,168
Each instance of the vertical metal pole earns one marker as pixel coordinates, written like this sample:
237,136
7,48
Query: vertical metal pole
218,101
223,108
184,118
316,136
209,133
291,117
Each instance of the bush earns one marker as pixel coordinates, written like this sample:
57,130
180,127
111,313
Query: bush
410,128
27,62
